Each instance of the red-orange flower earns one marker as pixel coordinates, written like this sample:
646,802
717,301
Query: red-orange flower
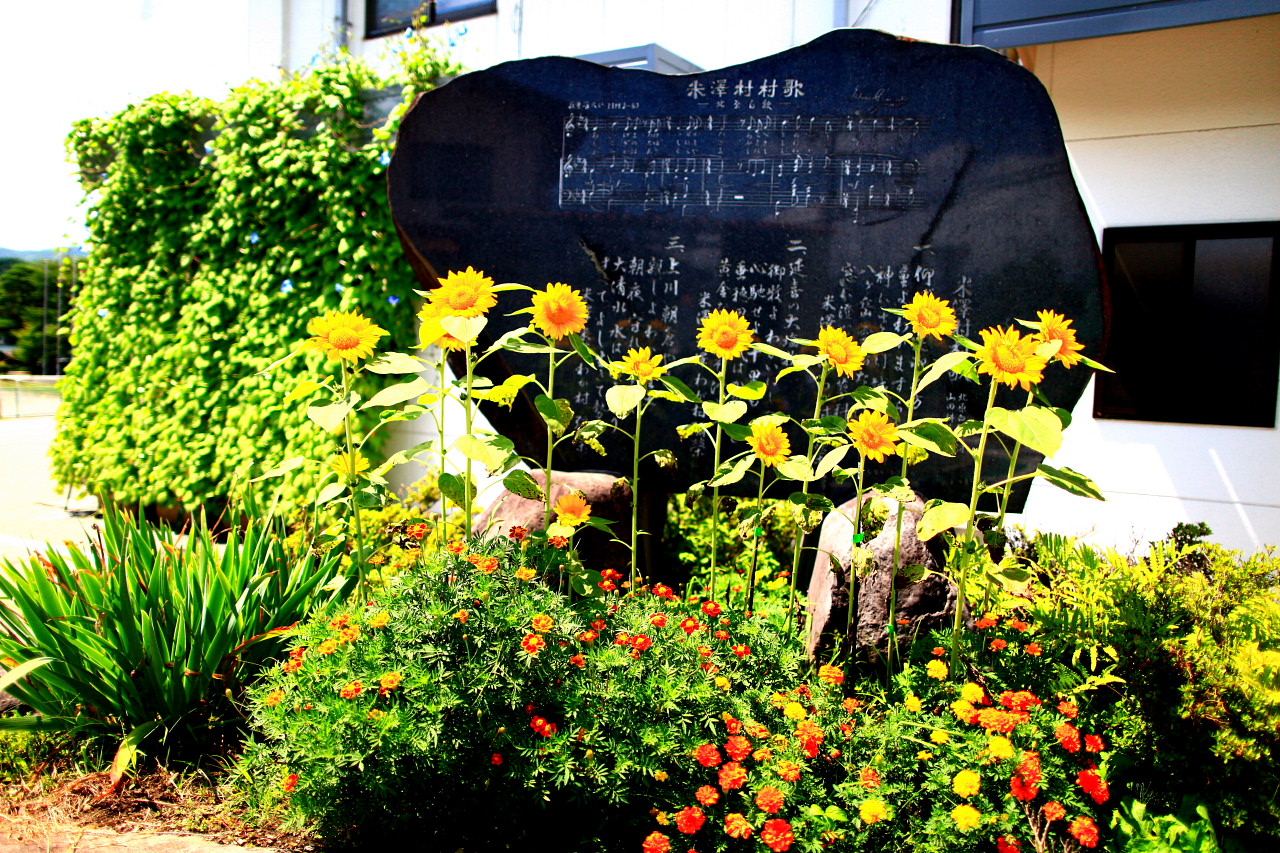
518,533
578,660
1053,810
788,771
457,546
389,682
708,795
736,826
291,781
1085,831
1069,736
1022,791
1068,709
708,755
351,690
738,747
496,760
999,645
1093,743
869,777
732,776
690,819
658,620
831,674
777,835
656,843
542,623
1094,785
1034,649
742,650
641,642
1020,700
1008,844
711,608
770,799
533,643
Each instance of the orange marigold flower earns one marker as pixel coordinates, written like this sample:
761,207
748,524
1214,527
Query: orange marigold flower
1009,358
874,435
351,690
328,647
588,636
1094,785
533,643
1030,769
343,335
559,542
341,622
1068,709
578,660
987,621
291,781
999,645
525,573
851,705
999,720
487,565
930,316
732,775
274,698
1034,649
1020,700
380,619
464,294
736,826
559,310
658,620
1019,625
707,795
656,842
416,531
1008,844
831,674
1069,736
518,533
1085,831
457,546
869,778
788,771
777,835
642,642
1055,327
763,755
572,510
690,819
708,755
725,333
349,635
389,682
742,650
712,609
690,625
542,623
1022,790
292,665
770,443
844,353
1093,743
738,747
1053,810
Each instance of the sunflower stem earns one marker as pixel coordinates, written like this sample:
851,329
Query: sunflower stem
351,484
1013,466
804,490
635,498
897,536
965,544
546,469
468,414
715,490
755,543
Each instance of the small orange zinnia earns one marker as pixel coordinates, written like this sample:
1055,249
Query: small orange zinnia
725,333
465,294
1055,327
572,510
559,310
1010,358
874,435
844,353
770,443
930,316
343,335
641,364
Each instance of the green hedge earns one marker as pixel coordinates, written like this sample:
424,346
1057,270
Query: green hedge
218,230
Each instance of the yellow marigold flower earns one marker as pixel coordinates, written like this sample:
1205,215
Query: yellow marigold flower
930,316
559,310
777,700
874,435
640,363
722,682
328,647
543,623
873,811
347,466
465,294
525,574
725,333
1010,358
844,353
380,620
435,311
966,783
971,692
389,682
661,775
966,816
770,443
572,510
924,755
1055,327
1000,747
936,669
343,335
795,711
274,698
939,736
913,703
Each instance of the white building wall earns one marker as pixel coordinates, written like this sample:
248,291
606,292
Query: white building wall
1170,127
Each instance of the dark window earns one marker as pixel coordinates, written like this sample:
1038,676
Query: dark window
1013,23
1194,316
383,17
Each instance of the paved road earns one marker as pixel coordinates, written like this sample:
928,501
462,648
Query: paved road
32,510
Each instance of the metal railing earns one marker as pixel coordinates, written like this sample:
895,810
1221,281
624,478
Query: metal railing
28,396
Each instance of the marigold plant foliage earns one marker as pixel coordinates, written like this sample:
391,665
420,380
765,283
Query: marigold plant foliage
219,230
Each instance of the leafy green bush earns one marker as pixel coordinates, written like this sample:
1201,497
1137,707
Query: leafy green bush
145,628
1190,831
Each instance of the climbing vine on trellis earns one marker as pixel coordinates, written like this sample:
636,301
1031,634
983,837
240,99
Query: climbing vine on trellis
218,230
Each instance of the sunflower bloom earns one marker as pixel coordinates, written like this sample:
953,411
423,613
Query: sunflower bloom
770,443
465,294
559,310
347,465
725,333
874,435
1010,358
1055,327
572,510
930,316
641,364
844,353
343,335
435,311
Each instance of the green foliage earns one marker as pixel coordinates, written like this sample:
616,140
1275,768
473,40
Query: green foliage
29,298
1190,831
220,229
144,627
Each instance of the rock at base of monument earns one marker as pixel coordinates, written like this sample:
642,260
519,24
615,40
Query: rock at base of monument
610,499
925,596
9,703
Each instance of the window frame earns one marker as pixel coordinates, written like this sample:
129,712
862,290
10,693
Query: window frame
434,18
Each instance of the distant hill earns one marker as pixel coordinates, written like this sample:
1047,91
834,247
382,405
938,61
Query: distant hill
41,254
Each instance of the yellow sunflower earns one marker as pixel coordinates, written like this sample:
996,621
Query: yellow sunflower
343,335
434,311
930,315
874,435
465,294
770,443
640,363
559,310
725,333
572,510
1010,358
346,466
844,353
1055,327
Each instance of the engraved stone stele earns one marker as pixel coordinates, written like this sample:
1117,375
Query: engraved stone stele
815,187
